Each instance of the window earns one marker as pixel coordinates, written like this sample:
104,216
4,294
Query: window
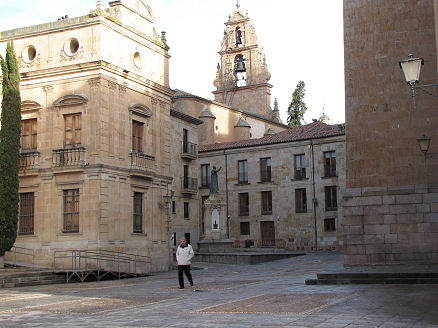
243,171
266,202
26,222
186,177
330,224
173,207
71,210
300,200
29,134
244,204
265,169
137,136
244,228
187,237
203,199
185,141
138,213
174,239
205,175
300,166
186,210
330,164
72,130
331,202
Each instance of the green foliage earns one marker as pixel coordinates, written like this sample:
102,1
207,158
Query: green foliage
297,107
9,149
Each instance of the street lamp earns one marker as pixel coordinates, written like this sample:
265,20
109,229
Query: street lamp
411,68
424,143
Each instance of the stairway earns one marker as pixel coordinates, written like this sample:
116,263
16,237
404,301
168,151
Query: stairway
374,278
22,278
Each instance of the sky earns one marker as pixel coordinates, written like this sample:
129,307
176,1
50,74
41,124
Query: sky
302,40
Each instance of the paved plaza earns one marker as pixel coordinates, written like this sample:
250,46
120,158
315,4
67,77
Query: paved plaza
271,294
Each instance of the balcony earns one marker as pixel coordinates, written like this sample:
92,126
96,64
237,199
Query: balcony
29,160
142,163
189,151
71,157
189,185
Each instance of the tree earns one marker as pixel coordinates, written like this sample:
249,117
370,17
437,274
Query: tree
297,107
9,150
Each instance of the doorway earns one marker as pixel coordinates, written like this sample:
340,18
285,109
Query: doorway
267,229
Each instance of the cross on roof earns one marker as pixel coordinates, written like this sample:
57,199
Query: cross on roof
237,5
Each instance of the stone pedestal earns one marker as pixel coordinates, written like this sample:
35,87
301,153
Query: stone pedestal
216,226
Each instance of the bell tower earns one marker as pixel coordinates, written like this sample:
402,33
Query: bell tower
242,77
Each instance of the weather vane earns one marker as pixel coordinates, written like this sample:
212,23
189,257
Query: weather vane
237,5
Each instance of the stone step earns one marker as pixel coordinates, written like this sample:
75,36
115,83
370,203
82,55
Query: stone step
17,274
21,279
374,278
35,283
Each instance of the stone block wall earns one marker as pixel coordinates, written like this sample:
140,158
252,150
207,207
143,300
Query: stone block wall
391,225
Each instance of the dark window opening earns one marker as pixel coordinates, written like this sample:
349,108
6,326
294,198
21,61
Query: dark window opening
138,213
300,200
244,228
244,204
329,224
266,202
26,222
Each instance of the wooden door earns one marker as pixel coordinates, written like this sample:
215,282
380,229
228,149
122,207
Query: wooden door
268,233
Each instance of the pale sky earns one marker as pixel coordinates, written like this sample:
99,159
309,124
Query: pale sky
302,40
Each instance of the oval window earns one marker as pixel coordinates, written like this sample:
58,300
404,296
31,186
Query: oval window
137,59
71,47
29,54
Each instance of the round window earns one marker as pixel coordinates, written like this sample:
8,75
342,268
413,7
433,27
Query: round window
29,54
71,47
137,59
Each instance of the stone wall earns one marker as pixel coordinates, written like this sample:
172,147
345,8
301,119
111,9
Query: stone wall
391,225
389,210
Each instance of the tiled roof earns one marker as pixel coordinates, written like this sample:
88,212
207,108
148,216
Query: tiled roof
183,116
313,130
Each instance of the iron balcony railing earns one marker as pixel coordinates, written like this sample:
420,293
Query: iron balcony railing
140,161
189,148
68,157
190,183
29,160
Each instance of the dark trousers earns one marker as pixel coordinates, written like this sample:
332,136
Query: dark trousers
186,270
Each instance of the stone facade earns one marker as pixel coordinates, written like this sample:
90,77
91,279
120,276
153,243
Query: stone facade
390,212
87,180
273,217
183,209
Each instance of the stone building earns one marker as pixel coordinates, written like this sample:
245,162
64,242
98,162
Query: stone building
281,190
183,204
390,203
96,147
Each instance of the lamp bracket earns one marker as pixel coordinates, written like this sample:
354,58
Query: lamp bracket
424,87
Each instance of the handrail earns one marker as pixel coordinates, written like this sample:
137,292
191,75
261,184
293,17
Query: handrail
117,263
22,251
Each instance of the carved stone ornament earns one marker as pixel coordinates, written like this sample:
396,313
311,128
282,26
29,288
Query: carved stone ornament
94,81
112,85
140,109
24,64
78,54
70,100
48,88
30,105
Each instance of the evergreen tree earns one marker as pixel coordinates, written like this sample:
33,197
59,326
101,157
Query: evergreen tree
297,107
9,149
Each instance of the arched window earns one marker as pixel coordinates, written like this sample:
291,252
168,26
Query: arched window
240,70
239,38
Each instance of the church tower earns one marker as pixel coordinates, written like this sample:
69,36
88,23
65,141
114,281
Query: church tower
242,78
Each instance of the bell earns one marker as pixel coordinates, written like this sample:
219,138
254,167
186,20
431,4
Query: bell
240,68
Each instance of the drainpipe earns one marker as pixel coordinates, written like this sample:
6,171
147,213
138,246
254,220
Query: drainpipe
226,193
314,200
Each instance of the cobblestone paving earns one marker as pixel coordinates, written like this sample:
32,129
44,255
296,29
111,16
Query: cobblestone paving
270,294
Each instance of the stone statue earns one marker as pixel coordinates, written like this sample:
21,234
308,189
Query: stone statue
214,185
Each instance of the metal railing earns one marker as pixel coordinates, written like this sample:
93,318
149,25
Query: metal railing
23,251
68,156
190,148
100,263
141,161
190,183
29,160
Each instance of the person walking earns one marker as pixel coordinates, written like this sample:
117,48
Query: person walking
184,254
